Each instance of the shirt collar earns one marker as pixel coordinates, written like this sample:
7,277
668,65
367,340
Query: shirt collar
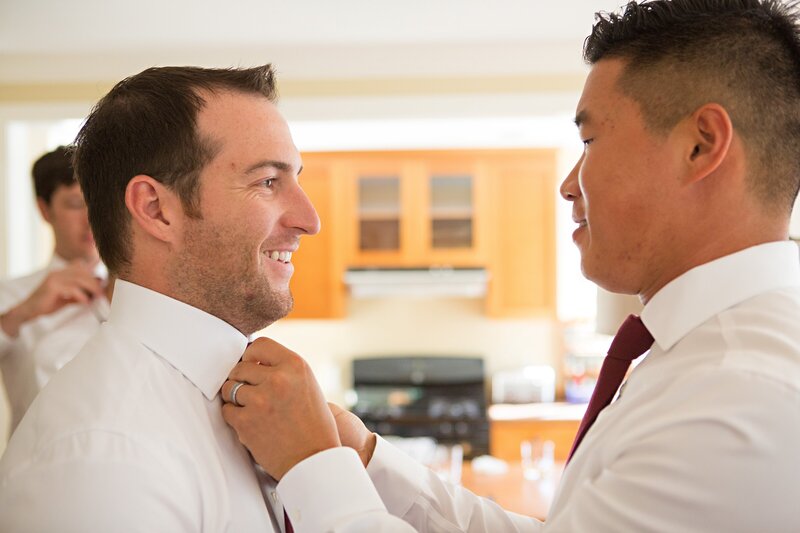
201,346
56,263
706,290
59,263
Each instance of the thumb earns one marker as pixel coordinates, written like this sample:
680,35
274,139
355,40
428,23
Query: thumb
335,409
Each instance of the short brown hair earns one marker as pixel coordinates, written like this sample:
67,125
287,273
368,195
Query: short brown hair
741,54
51,171
146,125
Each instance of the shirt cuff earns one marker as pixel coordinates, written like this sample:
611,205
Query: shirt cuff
327,488
398,477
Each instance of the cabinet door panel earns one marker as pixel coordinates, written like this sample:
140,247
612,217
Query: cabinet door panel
505,437
316,284
379,212
523,245
451,211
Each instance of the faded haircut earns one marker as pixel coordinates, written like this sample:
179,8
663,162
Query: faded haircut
741,54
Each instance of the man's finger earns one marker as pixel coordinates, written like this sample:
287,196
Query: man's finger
248,372
231,414
89,284
75,294
227,392
266,351
336,410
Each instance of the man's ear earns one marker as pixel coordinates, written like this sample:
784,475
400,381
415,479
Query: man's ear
711,134
154,207
44,209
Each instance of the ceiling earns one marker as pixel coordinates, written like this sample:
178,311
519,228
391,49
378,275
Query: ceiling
101,40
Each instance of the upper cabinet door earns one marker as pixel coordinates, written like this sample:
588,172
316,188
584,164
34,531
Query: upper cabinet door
416,209
379,214
455,217
452,212
380,232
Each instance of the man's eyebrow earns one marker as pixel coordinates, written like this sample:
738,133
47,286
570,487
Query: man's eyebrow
581,118
271,163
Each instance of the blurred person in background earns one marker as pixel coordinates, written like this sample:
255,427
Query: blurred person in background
69,286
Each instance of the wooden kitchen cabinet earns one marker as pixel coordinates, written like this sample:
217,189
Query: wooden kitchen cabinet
512,491
509,425
523,243
505,437
415,209
316,284
491,209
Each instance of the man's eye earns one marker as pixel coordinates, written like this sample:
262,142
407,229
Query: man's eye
268,183
587,142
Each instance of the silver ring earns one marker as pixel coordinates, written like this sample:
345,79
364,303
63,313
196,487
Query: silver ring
234,390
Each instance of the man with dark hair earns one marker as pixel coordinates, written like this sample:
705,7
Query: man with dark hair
190,177
71,283
690,117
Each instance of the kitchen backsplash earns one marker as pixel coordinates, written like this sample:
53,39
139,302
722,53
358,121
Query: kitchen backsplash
412,326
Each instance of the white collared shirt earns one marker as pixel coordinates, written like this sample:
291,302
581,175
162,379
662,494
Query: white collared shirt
24,374
129,435
65,338
705,438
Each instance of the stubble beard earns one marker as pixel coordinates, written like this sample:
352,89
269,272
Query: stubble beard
215,272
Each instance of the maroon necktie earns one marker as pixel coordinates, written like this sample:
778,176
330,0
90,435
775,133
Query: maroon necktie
631,341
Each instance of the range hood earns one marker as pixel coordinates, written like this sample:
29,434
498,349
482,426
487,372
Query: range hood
417,282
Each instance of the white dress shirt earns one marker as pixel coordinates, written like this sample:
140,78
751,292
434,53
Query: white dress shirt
24,374
129,435
64,339
706,436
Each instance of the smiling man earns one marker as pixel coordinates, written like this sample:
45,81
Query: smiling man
190,176
690,118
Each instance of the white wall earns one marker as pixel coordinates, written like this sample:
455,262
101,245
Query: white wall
445,327
26,241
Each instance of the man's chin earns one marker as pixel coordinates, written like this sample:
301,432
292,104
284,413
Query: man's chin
278,307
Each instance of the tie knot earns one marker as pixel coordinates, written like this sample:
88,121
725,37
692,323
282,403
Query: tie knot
631,341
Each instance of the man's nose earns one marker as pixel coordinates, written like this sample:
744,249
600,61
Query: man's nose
301,213
570,188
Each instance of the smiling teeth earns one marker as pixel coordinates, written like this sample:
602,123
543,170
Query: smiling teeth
283,257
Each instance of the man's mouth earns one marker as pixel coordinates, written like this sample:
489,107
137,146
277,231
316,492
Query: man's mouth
280,256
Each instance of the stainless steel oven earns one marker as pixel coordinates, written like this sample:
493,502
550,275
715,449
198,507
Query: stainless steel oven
439,397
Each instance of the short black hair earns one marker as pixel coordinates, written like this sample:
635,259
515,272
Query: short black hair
51,171
741,54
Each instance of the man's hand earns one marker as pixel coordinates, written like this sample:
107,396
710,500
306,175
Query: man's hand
74,284
284,417
353,433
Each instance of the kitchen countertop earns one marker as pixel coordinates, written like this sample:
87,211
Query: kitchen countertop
512,491
536,411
